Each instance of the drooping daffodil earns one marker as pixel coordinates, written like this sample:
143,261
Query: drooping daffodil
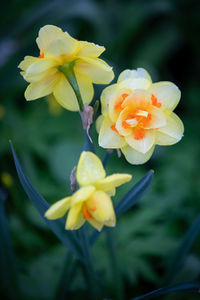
138,114
92,201
62,57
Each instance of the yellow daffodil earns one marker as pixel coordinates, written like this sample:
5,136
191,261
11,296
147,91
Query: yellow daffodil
138,114
92,201
60,54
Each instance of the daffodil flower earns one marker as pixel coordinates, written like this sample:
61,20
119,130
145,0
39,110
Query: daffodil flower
138,114
92,201
61,58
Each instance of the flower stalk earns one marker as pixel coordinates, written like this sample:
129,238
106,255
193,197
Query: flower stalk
68,71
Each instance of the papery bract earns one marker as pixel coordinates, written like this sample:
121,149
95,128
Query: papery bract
59,50
138,114
92,201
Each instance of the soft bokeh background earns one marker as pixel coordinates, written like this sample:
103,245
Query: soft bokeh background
161,36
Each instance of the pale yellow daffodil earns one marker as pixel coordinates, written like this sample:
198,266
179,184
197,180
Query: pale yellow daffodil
92,201
58,53
138,114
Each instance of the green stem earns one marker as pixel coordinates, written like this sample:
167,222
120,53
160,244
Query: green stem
90,271
68,71
114,264
66,276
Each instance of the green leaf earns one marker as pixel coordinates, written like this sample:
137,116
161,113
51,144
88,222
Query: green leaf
183,250
68,238
137,191
7,257
182,287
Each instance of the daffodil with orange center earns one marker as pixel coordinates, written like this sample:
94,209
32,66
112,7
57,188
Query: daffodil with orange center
61,54
138,114
92,201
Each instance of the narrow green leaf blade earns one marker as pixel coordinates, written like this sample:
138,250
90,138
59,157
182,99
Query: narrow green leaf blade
7,258
192,287
137,191
68,238
183,250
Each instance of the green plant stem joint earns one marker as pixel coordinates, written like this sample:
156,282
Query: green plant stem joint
68,70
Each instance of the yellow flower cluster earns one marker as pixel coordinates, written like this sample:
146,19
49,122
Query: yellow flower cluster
60,52
92,201
138,114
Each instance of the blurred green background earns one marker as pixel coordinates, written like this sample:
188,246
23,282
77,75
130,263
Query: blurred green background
161,36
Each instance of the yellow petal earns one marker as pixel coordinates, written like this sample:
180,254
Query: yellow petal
58,209
101,208
144,144
89,169
98,70
79,223
75,217
134,84
113,181
109,138
86,87
97,225
134,157
105,98
47,34
111,192
64,46
82,194
138,98
167,93
65,95
28,60
39,76
116,100
133,74
41,88
119,124
172,132
158,119
41,65
90,49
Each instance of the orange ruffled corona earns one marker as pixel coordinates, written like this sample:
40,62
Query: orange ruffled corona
138,114
92,201
58,49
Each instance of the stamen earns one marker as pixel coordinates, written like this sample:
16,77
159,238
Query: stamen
142,113
132,122
86,213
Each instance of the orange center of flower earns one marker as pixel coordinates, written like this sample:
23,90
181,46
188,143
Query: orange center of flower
139,133
86,213
138,118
